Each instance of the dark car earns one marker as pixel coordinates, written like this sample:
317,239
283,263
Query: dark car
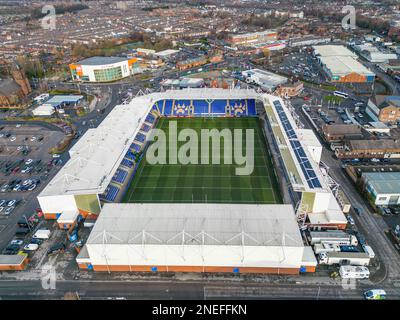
36,241
13,247
358,211
22,231
57,248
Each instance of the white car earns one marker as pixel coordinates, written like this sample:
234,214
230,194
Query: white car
2,202
26,182
375,160
11,203
29,161
17,187
13,138
351,220
9,210
17,242
20,148
1,209
1,135
33,139
56,155
32,187
31,247
18,125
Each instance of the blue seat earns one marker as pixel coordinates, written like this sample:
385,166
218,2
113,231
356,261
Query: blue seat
200,107
110,194
120,176
140,137
150,118
168,107
145,127
218,107
127,163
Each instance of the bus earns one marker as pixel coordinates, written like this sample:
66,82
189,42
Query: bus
341,94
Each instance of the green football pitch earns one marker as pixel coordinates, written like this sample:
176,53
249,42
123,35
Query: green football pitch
202,183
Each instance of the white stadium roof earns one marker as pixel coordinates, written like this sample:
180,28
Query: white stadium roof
177,224
215,235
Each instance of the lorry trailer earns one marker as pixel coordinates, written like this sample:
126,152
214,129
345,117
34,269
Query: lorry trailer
344,258
338,237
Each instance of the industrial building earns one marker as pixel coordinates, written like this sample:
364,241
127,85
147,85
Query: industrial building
383,187
103,69
266,80
250,39
340,65
191,237
373,54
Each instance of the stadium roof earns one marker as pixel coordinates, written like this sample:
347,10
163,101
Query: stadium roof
384,182
197,224
98,153
97,61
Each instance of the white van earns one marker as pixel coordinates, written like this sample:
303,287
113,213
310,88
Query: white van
354,272
42,234
369,251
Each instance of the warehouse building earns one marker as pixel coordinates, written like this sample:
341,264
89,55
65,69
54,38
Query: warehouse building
253,38
238,238
383,187
103,69
340,65
266,80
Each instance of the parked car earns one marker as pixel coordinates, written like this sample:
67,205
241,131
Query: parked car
29,161
17,242
31,247
9,210
56,155
351,220
36,241
22,231
11,203
57,248
358,211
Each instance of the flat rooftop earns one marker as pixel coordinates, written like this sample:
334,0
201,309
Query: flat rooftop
197,224
97,61
384,182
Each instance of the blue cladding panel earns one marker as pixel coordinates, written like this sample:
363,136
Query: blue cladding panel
200,107
168,107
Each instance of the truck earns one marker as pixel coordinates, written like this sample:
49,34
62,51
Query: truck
369,251
354,272
42,234
337,236
344,258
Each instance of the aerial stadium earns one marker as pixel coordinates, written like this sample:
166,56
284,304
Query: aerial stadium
174,217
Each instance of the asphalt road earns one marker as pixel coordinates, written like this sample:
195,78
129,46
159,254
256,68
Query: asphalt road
183,290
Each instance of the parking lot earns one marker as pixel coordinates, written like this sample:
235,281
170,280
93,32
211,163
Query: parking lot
302,65
25,168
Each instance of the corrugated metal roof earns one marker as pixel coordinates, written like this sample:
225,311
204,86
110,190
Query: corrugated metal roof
196,224
384,182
